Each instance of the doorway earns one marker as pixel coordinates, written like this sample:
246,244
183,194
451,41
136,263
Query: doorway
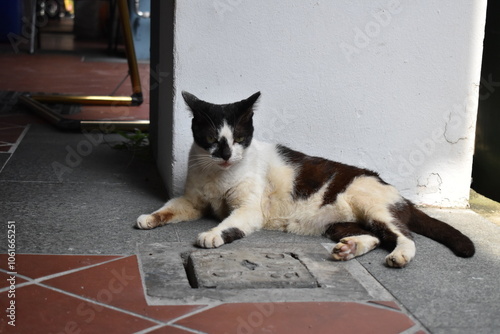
486,165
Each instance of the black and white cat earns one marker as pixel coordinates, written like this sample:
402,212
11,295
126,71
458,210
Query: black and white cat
252,185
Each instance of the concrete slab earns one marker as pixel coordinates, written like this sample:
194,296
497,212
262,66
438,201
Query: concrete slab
166,281
248,269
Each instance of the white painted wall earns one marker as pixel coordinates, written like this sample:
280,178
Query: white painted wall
388,85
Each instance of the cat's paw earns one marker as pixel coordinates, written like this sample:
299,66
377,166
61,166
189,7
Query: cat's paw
344,250
146,222
350,247
397,260
402,254
210,239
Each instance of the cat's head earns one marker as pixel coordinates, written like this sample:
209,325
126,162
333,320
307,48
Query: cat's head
224,131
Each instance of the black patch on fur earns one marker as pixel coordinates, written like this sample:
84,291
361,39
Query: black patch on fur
437,230
232,234
337,231
388,239
314,172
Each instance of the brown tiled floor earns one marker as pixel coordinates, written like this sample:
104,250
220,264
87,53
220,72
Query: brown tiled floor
104,294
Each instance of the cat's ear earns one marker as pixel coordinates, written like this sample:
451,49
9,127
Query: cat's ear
194,103
248,103
246,106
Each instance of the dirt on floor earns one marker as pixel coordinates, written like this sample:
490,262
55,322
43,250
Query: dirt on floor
485,207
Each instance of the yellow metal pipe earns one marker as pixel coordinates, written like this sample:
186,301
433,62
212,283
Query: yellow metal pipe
130,48
86,99
78,125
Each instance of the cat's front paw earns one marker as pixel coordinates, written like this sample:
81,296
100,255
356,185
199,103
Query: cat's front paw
210,239
146,222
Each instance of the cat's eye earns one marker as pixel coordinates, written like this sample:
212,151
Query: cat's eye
239,139
211,139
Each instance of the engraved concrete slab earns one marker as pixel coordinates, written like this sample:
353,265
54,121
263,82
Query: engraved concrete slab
178,273
245,269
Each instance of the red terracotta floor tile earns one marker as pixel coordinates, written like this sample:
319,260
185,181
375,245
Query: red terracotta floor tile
298,318
119,284
41,310
66,74
4,283
10,133
39,265
169,330
21,119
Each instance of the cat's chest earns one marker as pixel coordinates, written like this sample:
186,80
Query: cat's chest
214,190
216,195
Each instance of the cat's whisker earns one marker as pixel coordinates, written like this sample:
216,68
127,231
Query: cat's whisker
203,163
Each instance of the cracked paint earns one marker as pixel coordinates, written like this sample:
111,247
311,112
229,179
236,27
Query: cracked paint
430,185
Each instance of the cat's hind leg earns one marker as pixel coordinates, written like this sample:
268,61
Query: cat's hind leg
395,236
175,210
353,240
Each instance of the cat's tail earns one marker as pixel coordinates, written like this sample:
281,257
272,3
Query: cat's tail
441,232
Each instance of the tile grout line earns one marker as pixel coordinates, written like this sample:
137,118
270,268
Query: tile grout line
32,281
150,329
190,314
19,139
197,311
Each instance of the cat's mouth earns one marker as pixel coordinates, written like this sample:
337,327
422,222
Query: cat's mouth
225,164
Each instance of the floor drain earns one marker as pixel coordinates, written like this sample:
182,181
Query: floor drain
257,269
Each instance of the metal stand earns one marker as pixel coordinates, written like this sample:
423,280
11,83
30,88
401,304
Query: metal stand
34,102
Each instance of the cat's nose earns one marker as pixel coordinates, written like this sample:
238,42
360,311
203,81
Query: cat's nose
226,153
224,149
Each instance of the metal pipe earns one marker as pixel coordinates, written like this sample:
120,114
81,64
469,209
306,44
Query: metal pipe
33,26
79,125
142,125
130,49
88,100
